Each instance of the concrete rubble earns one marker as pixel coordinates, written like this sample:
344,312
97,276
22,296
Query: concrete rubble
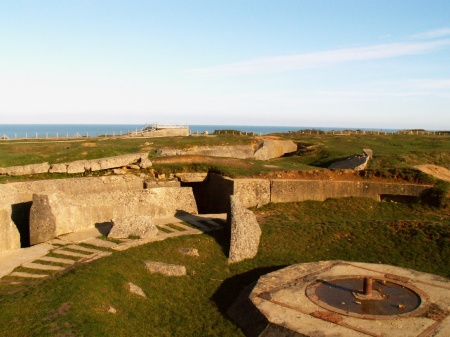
165,268
134,289
245,232
135,225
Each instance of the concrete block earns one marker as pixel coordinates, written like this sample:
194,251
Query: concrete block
141,226
27,169
10,236
114,162
269,149
76,166
58,168
165,268
59,213
245,232
252,192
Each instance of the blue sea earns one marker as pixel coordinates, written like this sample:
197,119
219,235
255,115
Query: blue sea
92,130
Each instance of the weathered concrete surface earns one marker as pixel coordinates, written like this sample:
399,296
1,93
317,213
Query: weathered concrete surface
191,177
368,153
357,163
134,289
134,225
286,190
25,169
252,192
15,201
60,213
225,151
9,260
245,232
161,183
58,168
80,166
165,268
9,234
215,193
265,150
269,149
278,305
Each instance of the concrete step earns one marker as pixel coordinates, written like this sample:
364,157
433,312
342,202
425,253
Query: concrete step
212,223
57,260
100,243
166,227
58,242
84,249
32,265
27,275
68,253
199,225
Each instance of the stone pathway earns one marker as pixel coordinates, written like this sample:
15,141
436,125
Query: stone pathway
82,247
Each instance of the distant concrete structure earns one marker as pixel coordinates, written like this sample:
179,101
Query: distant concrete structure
161,130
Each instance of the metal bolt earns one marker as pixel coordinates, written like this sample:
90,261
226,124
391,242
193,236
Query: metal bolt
367,287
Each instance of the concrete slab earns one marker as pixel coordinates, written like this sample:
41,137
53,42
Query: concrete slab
100,243
286,303
86,234
12,259
38,266
27,275
57,260
83,249
69,253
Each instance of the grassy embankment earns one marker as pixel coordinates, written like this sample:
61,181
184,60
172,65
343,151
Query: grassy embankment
391,151
73,304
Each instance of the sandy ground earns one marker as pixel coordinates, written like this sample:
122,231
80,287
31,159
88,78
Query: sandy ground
436,171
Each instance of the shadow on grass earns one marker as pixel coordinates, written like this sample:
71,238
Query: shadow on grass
231,288
222,236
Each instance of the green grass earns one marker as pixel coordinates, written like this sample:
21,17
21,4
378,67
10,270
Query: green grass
413,236
316,151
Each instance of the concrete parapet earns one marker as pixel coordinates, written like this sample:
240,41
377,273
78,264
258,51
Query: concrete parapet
252,192
60,213
269,149
9,233
25,169
15,201
285,190
80,166
245,232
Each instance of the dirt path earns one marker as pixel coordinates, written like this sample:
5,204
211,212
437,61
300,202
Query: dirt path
436,171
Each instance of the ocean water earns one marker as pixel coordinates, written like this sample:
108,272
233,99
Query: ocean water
92,130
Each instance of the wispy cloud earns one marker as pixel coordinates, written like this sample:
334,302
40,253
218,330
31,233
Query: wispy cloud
432,34
321,59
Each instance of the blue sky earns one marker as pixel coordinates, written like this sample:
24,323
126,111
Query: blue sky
346,63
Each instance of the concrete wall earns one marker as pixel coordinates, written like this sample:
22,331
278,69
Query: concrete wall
60,213
252,192
299,190
16,198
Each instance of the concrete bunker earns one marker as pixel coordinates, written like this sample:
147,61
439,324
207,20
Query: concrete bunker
312,299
